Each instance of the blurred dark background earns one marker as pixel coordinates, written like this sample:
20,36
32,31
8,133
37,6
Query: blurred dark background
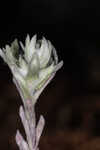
71,103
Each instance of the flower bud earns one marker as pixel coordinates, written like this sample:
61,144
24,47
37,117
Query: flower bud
34,67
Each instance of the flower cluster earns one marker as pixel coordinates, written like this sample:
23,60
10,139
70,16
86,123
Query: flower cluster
33,66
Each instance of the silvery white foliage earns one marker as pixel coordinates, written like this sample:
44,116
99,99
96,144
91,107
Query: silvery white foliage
35,67
32,130
32,71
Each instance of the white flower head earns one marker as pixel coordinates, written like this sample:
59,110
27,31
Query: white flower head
34,66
